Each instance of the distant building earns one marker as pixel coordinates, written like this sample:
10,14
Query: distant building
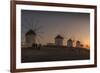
30,38
78,44
70,43
59,40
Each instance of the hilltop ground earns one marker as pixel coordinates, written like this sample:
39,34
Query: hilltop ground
44,54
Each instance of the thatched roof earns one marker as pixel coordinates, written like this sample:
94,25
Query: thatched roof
70,40
58,37
30,32
78,42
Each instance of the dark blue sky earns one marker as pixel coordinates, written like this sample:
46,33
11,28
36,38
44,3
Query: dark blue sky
68,24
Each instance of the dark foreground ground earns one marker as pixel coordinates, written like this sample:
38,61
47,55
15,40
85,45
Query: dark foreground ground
44,54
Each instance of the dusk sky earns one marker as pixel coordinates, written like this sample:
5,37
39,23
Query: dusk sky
68,24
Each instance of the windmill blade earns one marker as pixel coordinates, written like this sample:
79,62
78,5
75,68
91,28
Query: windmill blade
25,26
32,25
35,25
40,36
28,22
40,32
38,41
65,35
69,35
38,28
24,29
73,38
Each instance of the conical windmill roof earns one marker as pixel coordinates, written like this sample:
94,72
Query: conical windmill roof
78,42
30,32
58,37
70,40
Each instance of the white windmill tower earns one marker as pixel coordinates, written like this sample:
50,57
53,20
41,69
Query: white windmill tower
59,40
71,40
78,44
30,38
70,43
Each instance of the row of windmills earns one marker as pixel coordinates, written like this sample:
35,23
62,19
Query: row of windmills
30,40
59,42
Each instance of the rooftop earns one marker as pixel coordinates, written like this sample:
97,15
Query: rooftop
58,36
30,32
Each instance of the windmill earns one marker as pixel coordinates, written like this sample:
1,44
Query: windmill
71,39
32,34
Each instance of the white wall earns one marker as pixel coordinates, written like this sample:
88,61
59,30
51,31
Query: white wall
5,36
